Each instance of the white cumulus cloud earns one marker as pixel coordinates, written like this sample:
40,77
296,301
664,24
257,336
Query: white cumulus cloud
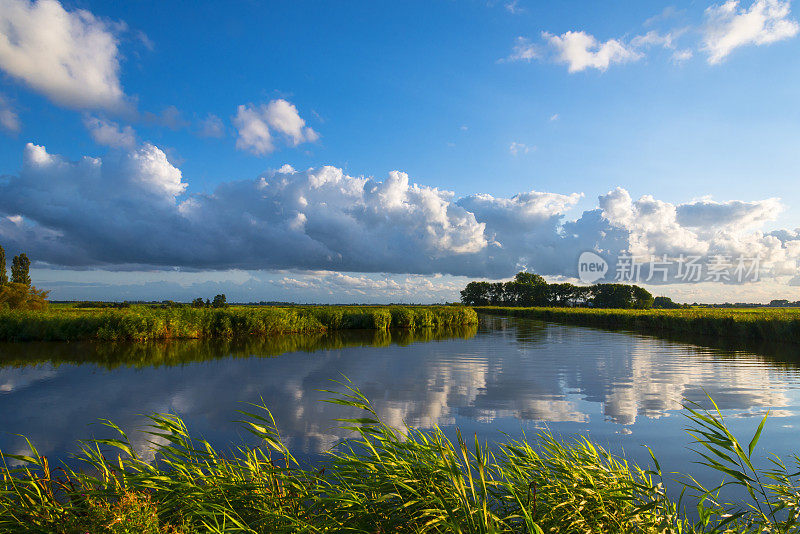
580,51
256,124
131,209
728,26
71,57
109,133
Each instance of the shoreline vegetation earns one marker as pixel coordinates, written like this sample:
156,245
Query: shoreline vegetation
146,323
171,352
386,479
780,325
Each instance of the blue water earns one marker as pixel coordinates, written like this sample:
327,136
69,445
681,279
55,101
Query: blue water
511,376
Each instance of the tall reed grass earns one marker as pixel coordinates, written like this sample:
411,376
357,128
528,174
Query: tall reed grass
752,324
384,480
142,323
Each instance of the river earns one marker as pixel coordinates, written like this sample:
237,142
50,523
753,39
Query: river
507,376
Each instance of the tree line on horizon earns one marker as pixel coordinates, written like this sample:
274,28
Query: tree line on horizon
220,301
18,291
532,290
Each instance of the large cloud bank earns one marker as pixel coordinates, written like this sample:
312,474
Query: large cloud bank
131,209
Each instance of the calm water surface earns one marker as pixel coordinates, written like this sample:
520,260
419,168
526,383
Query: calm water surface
512,376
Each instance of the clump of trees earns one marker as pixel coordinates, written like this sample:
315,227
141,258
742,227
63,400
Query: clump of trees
220,301
666,303
529,289
783,303
18,293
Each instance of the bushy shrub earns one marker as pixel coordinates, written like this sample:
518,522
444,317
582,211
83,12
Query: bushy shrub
21,297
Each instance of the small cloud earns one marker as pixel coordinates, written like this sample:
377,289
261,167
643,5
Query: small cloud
9,119
256,124
523,50
170,117
680,56
728,27
109,133
667,13
319,118
554,117
211,126
519,148
653,38
580,51
513,7
464,128
145,40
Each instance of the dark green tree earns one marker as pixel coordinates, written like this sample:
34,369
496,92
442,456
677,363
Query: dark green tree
563,295
527,289
475,294
511,294
612,296
665,303
219,301
642,298
20,270
523,277
198,303
583,295
3,273
623,296
530,289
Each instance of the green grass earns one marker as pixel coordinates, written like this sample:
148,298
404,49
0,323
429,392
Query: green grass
385,480
143,323
751,324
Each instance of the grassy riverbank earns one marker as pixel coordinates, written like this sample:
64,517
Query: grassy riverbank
142,323
383,480
753,324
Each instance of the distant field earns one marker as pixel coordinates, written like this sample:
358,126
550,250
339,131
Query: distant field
64,322
755,324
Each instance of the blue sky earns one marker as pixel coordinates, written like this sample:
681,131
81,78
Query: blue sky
692,103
